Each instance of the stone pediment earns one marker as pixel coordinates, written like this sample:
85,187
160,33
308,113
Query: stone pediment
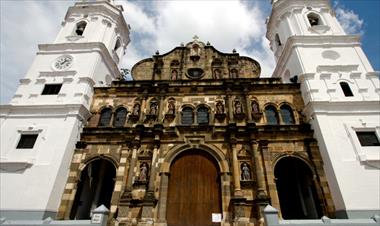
194,61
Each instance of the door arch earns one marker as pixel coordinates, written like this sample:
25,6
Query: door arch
194,190
95,188
296,189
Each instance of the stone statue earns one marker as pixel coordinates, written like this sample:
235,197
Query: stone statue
136,110
143,172
171,108
174,75
238,107
255,107
217,74
153,109
245,172
219,108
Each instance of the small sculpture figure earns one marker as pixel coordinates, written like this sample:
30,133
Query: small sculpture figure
219,108
255,107
217,74
153,109
143,172
245,172
238,107
174,75
171,108
136,110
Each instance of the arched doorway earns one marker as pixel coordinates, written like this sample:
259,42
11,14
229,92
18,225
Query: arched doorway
95,188
194,190
296,189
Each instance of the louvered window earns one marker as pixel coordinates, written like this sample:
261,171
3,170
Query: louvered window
120,116
271,115
287,114
202,115
105,117
187,116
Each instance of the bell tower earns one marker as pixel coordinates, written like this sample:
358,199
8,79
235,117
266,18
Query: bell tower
41,125
341,94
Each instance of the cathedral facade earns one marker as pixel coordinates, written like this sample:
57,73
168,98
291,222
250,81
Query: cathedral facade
197,137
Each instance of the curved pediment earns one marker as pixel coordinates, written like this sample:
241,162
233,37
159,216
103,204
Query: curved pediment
193,61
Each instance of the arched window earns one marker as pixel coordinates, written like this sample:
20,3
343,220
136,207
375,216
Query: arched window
314,19
202,115
80,28
120,116
95,188
287,114
346,89
271,115
296,189
277,40
117,45
105,117
187,116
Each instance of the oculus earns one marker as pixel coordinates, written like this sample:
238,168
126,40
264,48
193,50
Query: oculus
63,62
195,73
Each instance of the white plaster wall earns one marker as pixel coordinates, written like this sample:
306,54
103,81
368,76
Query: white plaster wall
354,183
39,187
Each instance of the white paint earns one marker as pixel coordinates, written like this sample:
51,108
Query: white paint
34,179
322,57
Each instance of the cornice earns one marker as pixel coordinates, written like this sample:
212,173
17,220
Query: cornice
342,108
64,110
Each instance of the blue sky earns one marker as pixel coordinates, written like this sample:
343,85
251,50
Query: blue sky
163,25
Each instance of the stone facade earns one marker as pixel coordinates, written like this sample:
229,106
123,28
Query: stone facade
235,128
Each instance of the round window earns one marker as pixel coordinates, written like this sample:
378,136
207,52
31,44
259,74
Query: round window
195,73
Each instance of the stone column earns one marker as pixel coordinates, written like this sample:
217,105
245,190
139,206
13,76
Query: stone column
153,168
136,145
236,173
249,107
261,195
163,197
259,169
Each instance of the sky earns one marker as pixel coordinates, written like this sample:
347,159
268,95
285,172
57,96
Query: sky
164,24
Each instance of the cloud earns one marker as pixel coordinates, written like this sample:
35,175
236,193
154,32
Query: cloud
227,25
25,24
349,20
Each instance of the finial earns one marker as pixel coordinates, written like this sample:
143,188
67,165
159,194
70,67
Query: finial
208,43
195,38
234,50
157,52
182,45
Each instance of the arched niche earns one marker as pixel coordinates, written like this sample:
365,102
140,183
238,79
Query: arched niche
95,188
296,189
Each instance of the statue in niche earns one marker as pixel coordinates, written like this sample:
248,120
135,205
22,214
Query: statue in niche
219,108
174,75
217,74
171,108
136,110
238,107
255,107
245,172
233,73
195,51
153,109
143,172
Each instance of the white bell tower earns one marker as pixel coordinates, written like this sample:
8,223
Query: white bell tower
42,123
341,94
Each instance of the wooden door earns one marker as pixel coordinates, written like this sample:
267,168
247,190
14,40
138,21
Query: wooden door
194,190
